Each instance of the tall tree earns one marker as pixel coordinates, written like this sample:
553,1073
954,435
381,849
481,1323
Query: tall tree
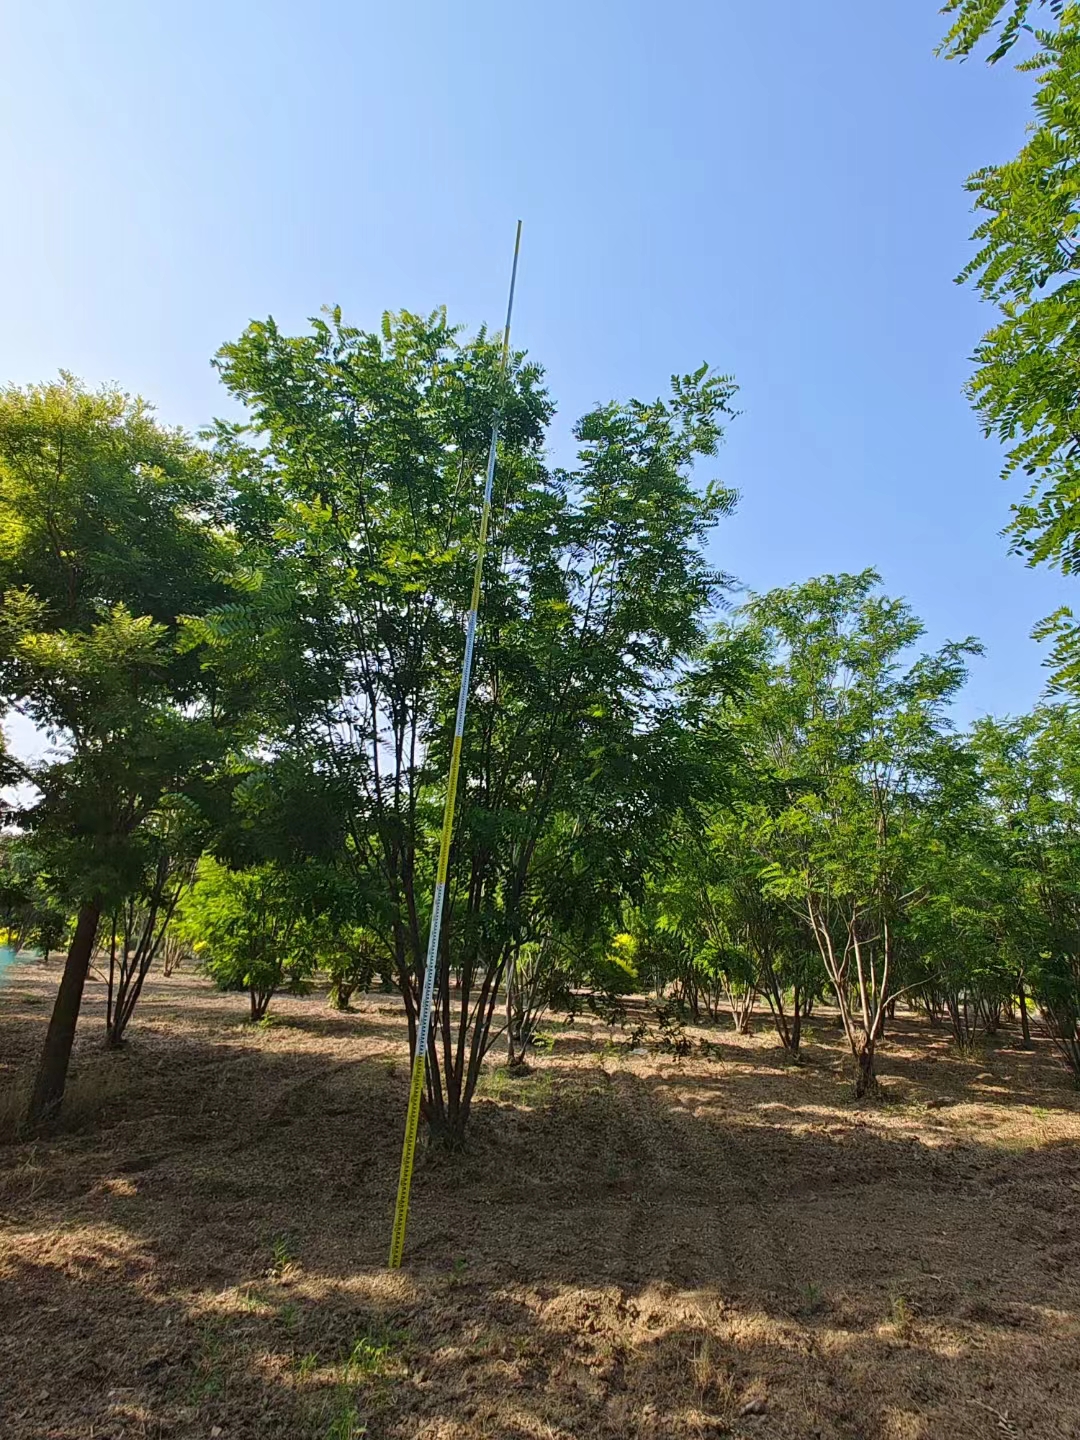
357,481
104,544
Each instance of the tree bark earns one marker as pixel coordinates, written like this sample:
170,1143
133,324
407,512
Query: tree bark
48,1092
340,995
866,1080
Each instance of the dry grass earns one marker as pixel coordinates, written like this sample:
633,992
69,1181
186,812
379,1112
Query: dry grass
631,1247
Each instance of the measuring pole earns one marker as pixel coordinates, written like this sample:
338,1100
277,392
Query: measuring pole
423,1024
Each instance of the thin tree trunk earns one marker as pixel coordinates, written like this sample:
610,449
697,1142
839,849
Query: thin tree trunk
796,1022
48,1092
109,996
1025,1024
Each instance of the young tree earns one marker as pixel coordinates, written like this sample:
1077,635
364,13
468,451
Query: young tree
251,929
104,544
786,965
698,927
357,485
29,910
349,956
140,923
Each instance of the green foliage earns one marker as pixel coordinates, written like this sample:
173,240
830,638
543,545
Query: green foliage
248,928
104,544
347,953
30,912
1025,388
1030,773
615,971
251,654
976,20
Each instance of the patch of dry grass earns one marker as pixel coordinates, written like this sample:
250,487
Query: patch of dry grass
631,1247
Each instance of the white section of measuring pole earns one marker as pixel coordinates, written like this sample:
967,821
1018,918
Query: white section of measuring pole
423,1023
427,995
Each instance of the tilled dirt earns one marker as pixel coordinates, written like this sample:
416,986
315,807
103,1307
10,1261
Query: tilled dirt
720,1245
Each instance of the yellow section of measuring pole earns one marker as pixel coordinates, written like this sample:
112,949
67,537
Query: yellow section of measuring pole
423,1024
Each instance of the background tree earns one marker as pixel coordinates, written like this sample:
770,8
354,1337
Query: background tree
850,730
1030,771
255,929
104,544
785,965
30,912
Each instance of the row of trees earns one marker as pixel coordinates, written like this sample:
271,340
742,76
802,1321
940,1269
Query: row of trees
779,809
868,852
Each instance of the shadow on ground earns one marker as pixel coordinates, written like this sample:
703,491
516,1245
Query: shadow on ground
628,1248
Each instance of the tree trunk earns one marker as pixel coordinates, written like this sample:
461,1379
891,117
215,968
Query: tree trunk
340,995
48,1092
796,1023
1025,1024
126,1000
865,1080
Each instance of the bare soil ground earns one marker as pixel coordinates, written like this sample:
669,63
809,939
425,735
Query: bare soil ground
724,1245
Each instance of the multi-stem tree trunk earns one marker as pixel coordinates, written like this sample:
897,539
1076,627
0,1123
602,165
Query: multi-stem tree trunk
991,1006
687,990
142,932
461,1029
260,1002
788,1022
861,996
465,1039
741,1005
48,1093
341,992
528,995
964,1018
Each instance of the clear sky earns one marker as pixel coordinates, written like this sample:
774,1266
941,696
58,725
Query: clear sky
773,187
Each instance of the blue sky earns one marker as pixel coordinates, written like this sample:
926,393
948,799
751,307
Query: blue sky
775,188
